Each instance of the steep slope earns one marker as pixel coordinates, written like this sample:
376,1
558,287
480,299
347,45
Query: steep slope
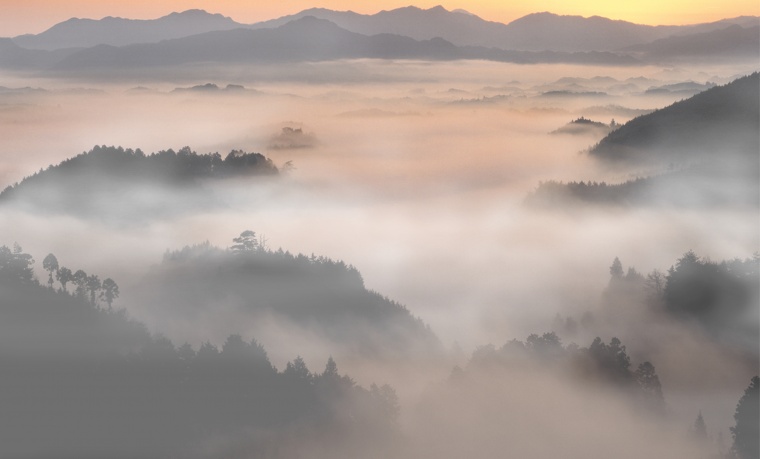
85,33
719,124
703,152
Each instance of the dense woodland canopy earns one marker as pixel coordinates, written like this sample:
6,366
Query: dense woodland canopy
321,295
113,182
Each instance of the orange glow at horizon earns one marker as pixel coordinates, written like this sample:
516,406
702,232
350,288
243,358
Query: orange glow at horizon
34,16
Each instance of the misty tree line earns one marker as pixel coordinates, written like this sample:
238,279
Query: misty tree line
599,361
609,363
79,379
15,264
715,294
324,296
123,165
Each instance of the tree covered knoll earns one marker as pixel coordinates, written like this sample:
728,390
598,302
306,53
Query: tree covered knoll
118,182
318,294
83,380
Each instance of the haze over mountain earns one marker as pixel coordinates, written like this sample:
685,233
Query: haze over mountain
703,151
85,33
305,39
534,32
722,44
718,124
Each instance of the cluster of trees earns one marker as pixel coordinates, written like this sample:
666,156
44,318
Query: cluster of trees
719,296
181,166
600,361
83,381
107,290
553,193
111,182
328,297
584,125
17,265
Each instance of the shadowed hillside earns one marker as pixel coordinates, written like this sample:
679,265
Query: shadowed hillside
718,124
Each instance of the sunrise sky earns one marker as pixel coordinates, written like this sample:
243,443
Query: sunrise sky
34,16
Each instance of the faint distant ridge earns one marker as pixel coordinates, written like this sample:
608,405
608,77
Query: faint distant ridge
307,39
103,180
535,32
729,43
85,33
720,123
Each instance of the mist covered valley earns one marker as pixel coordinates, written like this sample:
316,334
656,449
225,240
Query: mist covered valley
397,234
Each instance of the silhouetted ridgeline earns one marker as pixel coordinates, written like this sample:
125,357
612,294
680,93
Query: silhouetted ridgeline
112,180
312,294
718,124
83,381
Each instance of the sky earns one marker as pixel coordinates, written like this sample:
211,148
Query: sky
34,16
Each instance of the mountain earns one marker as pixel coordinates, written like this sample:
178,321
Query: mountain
305,39
13,56
729,43
534,32
720,123
85,33
705,152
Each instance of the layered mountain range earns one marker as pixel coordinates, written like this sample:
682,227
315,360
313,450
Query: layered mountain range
404,33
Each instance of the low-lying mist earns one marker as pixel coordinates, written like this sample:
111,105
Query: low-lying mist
416,174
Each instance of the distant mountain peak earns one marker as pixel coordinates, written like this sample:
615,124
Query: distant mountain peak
461,11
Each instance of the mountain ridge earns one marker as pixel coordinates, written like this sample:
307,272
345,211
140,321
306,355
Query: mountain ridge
569,33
